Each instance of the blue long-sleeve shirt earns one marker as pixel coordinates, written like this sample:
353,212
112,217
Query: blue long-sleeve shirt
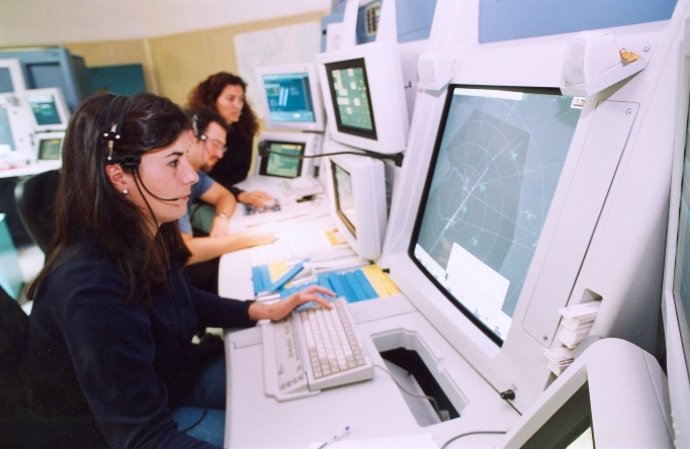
127,364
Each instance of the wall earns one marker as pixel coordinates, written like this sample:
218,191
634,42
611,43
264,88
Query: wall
178,46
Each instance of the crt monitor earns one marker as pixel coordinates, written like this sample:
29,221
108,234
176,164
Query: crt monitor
613,395
364,97
48,109
291,97
53,67
497,161
676,296
472,221
49,145
11,77
357,197
287,154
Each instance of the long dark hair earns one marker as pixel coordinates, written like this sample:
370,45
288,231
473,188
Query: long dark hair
207,92
88,206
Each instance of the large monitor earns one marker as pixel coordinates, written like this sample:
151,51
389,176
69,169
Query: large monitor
53,67
357,195
364,97
497,161
48,109
676,297
614,395
11,77
291,97
282,154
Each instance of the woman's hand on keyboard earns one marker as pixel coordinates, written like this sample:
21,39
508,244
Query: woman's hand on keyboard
278,310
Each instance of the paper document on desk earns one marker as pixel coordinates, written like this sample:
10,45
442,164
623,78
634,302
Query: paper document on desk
421,441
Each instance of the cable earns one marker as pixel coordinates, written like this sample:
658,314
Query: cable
431,399
475,432
397,158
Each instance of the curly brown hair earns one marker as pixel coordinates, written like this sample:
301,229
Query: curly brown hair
207,92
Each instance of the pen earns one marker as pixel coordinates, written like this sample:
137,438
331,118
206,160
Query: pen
336,437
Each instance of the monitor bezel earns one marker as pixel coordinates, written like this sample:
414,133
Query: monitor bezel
357,63
312,147
14,67
42,137
368,176
336,196
264,162
674,313
427,186
319,123
387,91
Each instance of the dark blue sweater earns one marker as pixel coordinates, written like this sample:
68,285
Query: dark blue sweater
126,364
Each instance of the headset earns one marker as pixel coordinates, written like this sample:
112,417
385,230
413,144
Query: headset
128,161
195,128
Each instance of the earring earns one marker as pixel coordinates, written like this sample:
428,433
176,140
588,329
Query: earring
125,191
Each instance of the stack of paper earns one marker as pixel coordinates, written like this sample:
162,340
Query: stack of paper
558,359
577,322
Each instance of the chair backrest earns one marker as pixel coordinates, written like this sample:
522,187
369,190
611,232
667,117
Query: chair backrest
21,427
35,197
14,333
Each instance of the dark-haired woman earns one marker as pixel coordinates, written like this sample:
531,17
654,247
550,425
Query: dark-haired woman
113,318
225,92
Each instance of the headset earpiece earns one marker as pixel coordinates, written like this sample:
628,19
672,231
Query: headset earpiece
113,134
195,128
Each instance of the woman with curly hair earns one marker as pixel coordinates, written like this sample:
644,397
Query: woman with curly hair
225,92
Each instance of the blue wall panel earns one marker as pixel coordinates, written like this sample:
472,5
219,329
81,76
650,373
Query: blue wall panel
501,20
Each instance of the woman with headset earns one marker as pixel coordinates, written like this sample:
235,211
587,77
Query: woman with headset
111,328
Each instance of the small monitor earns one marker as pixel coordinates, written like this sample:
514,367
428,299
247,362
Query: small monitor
365,97
291,97
357,194
282,154
11,77
49,145
48,107
284,159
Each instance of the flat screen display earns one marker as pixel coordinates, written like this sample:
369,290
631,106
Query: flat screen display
283,159
349,87
344,197
496,164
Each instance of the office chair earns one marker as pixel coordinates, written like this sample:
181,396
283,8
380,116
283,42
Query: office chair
20,426
35,197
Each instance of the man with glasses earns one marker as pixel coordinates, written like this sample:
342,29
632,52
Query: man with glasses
208,147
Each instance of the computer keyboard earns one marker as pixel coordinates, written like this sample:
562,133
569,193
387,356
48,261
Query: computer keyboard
313,349
300,187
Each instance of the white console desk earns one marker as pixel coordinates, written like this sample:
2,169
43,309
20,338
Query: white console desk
373,409
31,169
